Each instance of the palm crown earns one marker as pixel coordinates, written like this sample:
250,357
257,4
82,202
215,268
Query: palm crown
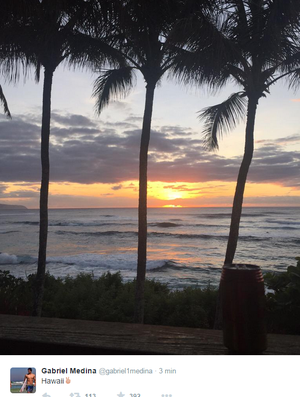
260,45
142,39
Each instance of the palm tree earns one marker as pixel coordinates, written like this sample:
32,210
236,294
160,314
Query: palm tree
48,32
142,37
260,46
253,43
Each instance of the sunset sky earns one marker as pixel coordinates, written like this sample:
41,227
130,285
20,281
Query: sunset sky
94,160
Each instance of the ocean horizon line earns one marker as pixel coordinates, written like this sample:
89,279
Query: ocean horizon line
166,208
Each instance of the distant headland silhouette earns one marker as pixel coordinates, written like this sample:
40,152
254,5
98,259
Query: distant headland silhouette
12,207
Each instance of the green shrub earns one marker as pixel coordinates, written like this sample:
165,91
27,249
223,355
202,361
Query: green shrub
108,298
15,295
283,306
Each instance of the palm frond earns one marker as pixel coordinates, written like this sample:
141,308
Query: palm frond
203,50
88,51
291,62
294,79
37,71
221,118
114,82
4,103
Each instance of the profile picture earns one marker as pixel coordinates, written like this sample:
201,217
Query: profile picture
23,380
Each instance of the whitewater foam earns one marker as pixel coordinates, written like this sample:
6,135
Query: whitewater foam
7,258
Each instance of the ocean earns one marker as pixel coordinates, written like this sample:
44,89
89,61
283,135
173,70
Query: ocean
186,246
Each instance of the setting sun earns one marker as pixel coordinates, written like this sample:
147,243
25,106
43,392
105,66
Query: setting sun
172,206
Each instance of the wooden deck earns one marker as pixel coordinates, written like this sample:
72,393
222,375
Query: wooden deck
31,335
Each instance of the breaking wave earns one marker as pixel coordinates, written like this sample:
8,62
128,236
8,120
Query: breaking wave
165,224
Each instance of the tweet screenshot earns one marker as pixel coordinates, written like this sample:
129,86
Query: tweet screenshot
150,198
148,376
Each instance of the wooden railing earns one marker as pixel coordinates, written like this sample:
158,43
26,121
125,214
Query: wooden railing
32,335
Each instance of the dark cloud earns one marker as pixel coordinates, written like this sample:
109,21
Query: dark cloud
73,120
18,133
109,154
62,133
178,187
176,130
182,188
118,187
272,164
4,194
279,141
3,188
134,119
20,194
119,124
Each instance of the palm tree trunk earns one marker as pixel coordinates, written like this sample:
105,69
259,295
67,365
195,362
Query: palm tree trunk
142,212
43,233
238,200
241,181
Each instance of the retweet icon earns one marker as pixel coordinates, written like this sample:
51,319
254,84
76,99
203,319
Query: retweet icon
68,380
